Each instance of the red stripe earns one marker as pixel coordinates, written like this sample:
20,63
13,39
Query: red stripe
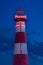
21,59
20,19
20,37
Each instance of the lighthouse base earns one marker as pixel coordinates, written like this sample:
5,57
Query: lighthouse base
21,59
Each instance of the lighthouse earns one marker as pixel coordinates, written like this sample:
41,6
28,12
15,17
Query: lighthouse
20,45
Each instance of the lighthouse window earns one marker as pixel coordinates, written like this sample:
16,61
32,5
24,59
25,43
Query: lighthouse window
22,25
17,25
21,16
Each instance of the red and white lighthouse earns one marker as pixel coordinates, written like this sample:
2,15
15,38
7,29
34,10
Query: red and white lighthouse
20,46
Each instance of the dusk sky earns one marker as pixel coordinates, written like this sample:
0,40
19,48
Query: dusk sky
34,11
34,27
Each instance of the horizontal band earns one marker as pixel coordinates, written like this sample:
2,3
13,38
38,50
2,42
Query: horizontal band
20,48
20,37
20,16
21,59
20,26
20,29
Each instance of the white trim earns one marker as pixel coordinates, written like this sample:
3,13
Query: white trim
20,48
21,16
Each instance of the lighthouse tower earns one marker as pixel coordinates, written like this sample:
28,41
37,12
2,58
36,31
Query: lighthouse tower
20,46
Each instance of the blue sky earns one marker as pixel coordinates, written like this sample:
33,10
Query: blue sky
34,26
34,11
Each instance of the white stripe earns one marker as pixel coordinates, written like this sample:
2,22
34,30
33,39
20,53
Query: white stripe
20,48
17,48
20,28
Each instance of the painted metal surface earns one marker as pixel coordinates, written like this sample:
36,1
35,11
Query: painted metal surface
20,46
